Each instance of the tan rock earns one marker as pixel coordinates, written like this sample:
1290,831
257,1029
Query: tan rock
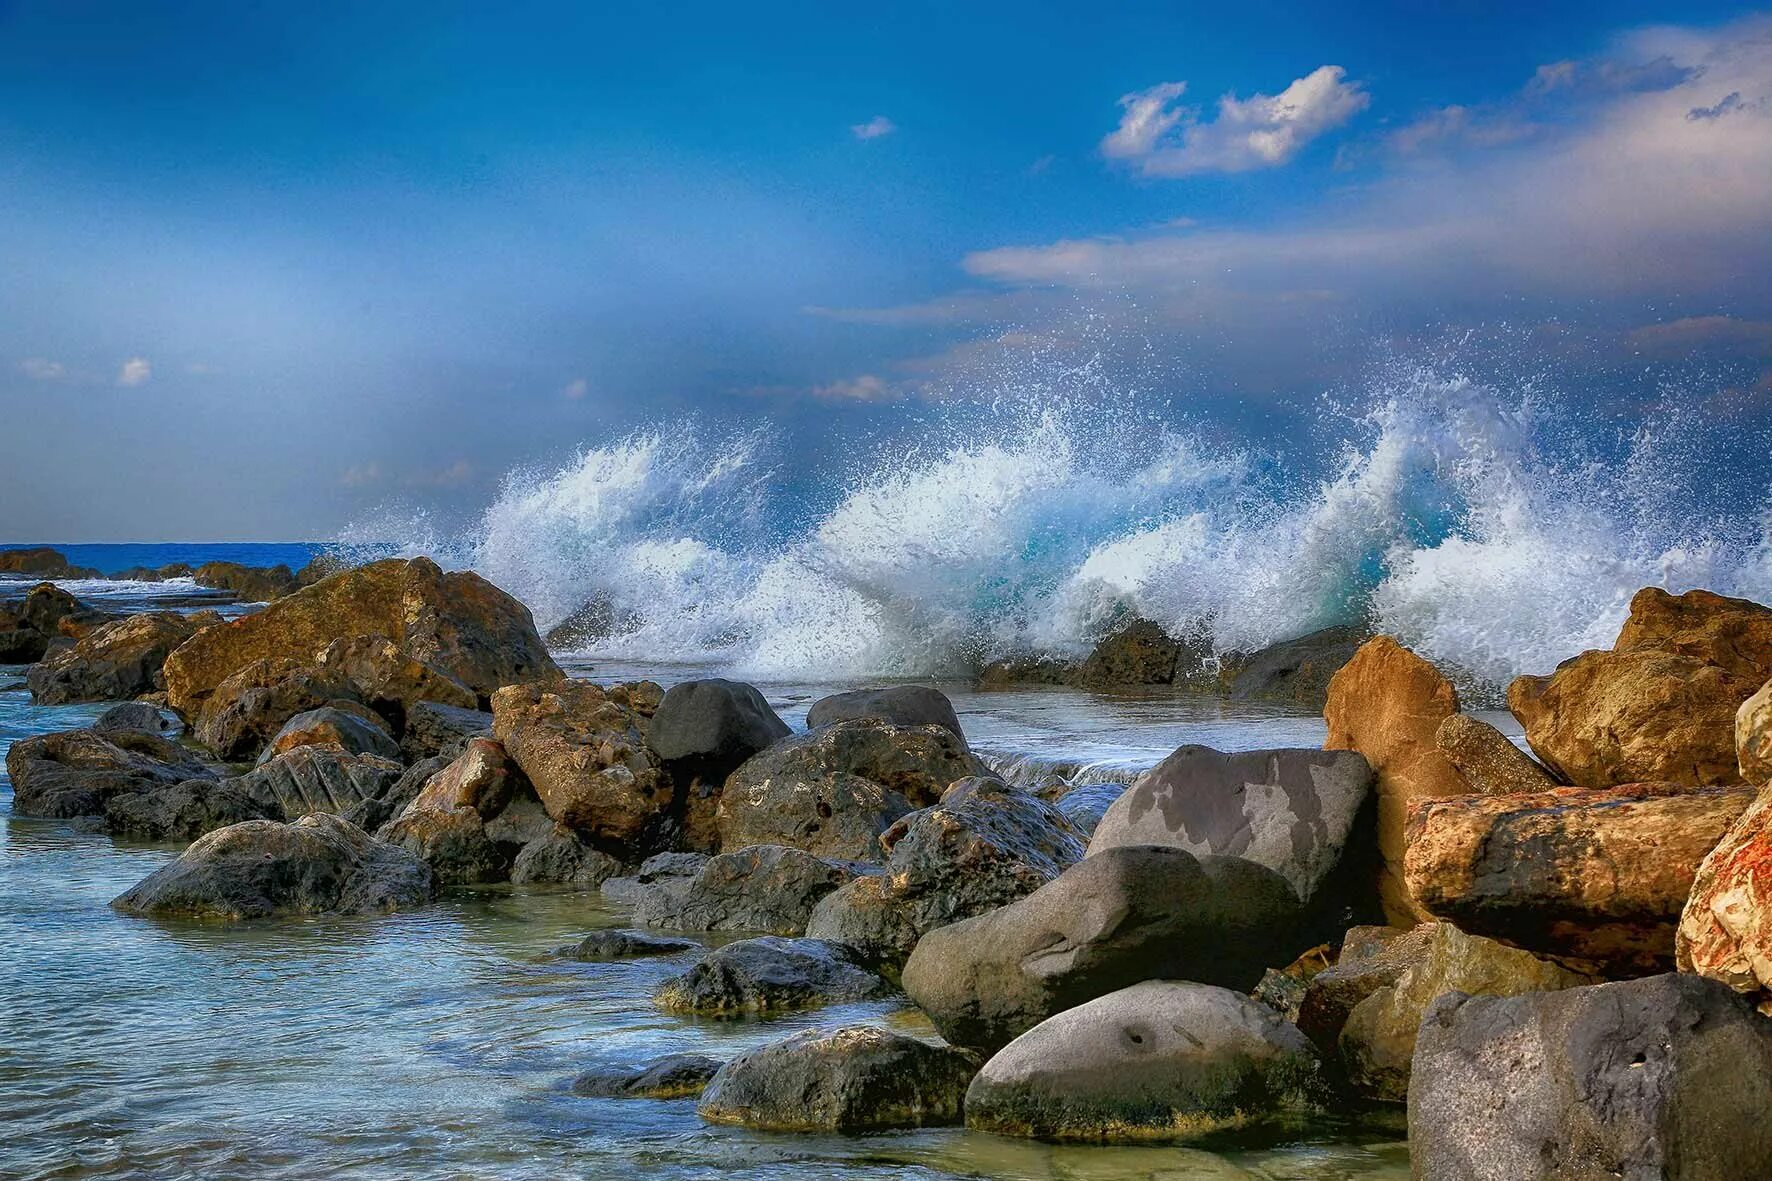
480,778
1488,761
110,662
1753,737
1596,877
1734,634
247,709
386,675
1388,704
1726,928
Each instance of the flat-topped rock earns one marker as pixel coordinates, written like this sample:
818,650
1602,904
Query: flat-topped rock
112,662
769,974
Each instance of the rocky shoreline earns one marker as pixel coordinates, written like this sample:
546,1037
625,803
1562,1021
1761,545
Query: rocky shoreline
1552,966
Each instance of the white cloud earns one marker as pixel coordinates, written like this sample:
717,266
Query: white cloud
865,388
575,389
361,475
874,128
135,371
1161,138
42,369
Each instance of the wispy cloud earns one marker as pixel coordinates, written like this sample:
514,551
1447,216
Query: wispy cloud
866,387
361,475
135,371
575,389
1162,138
874,128
1723,334
42,369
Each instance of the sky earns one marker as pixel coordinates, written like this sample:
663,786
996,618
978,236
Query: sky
264,271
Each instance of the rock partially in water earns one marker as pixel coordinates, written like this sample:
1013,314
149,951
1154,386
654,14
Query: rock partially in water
1163,1060
667,870
112,662
77,772
1293,670
356,731
703,730
676,1076
770,889
1669,1076
858,1079
1118,918
252,584
31,627
1725,928
260,868
769,974
1084,805
134,717
43,562
183,811
560,857
608,945
899,705
1490,763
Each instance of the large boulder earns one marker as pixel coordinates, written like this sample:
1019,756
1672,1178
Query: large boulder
322,778
1123,916
584,749
458,624
20,643
667,871
560,857
835,790
182,812
357,731
317,865
703,730
253,584
133,717
43,562
77,772
769,974
1293,670
983,846
1661,704
769,889
1290,810
858,1079
1594,876
1388,704
1753,737
112,662
30,627
1139,653
1726,927
1668,1077
390,679
900,705
1162,1060
247,709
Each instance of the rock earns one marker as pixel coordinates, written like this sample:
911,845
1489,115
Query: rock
183,811
766,888
1294,670
253,584
587,756
1161,1060
858,1079
983,846
1120,917
1378,1038
1388,704
1028,670
44,562
1734,634
1665,1077
243,713
1283,989
766,975
372,815
561,858
77,772
1140,653
46,605
677,1076
478,815
1753,737
1290,810
899,705
1594,876
1371,958
670,870
358,733
703,730
320,566
835,790
392,680
19,642
1491,764
318,779
435,729
133,717
113,662
458,624
1084,806
606,945
591,623
1725,929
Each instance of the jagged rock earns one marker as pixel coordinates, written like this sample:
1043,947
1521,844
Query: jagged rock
44,562
846,1080
243,713
603,946
1593,876
113,662
182,811
253,584
586,754
592,622
1388,704
317,865
899,705
77,772
1290,810
561,858
703,730
1293,670
133,717
835,790
1725,929
1112,920
459,624
677,1076
20,643
1028,670
766,975
1161,1060
318,779
478,817
320,566
766,888
372,815
1490,763
356,732
661,870
1753,737
1371,958
1665,1077
983,846
392,680
1084,805
1283,989
435,729
31,627
1140,653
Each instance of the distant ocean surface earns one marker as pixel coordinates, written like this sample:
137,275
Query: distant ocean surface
112,557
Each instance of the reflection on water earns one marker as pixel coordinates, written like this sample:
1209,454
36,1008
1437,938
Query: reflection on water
437,1043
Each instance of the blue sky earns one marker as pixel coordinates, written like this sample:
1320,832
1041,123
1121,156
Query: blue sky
263,269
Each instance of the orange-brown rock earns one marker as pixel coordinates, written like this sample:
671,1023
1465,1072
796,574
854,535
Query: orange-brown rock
457,623
1596,877
584,748
1726,928
1490,763
1388,704
1753,737
1661,704
481,778
111,662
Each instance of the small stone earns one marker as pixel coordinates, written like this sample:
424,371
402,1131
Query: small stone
678,1076
603,946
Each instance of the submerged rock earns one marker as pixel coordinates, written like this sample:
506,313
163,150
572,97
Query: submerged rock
603,946
858,1079
769,889
112,662
766,975
897,705
77,772
676,1076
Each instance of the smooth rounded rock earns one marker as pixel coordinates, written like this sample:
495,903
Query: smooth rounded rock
900,705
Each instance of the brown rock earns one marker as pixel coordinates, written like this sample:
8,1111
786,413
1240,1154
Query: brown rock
348,726
112,662
43,561
1726,928
391,679
1753,737
1488,761
1734,634
1593,876
247,709
253,584
1388,704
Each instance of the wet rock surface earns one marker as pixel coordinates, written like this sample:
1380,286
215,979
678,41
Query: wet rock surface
899,705
769,889
112,662
677,1076
769,974
609,945
77,772
702,731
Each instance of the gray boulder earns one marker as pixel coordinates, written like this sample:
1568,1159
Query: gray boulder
434,729
611,944
677,1076
659,871
1118,918
561,857
901,705
1294,670
768,975
317,865
702,731
858,1079
182,811
134,717
349,727
1162,1060
318,779
1290,810
769,889
77,772
1663,1077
